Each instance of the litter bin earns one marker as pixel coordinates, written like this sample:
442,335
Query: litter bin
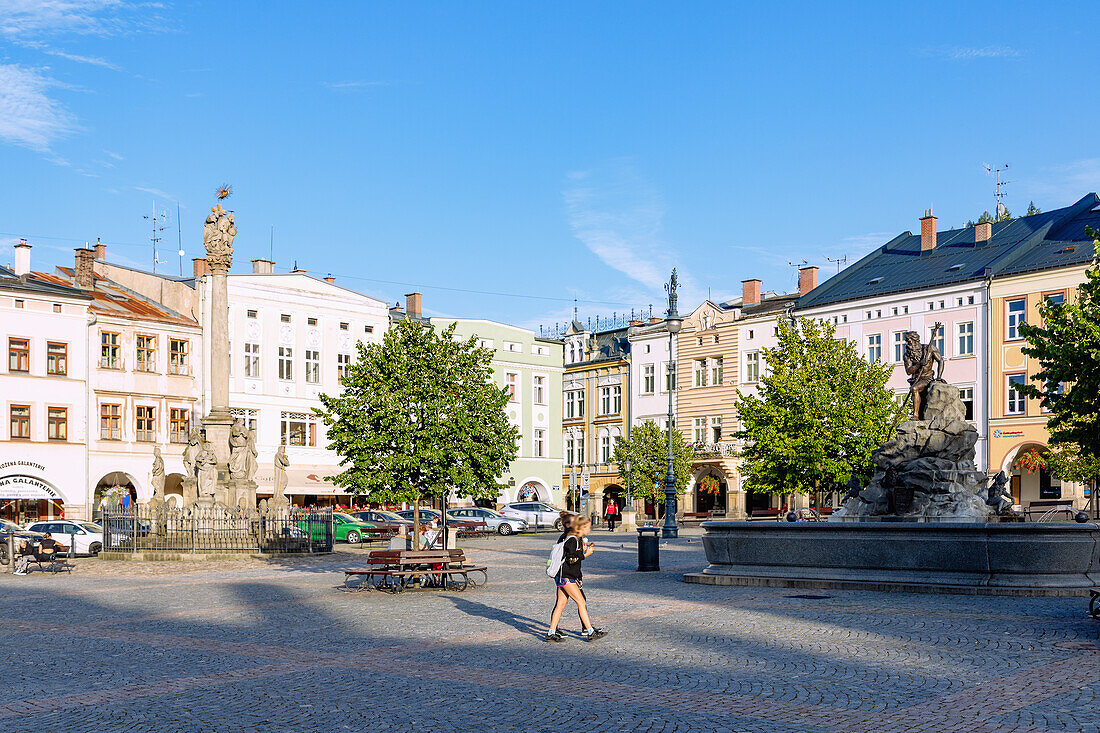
649,554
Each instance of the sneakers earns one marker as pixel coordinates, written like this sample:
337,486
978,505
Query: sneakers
20,572
597,633
554,636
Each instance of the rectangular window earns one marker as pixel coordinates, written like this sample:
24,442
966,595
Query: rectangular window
19,355
146,353
540,443
570,404
1054,298
700,430
648,379
286,363
966,394
252,360
57,423
965,343
512,380
580,403
581,458
605,449
716,428
1016,316
716,371
605,401
899,346
569,451
299,429
344,326
284,317
939,341
700,372
18,302
311,321
874,348
177,356
146,423
368,329
752,366
343,364
20,422
540,390
110,422
313,366
1016,402
109,346
57,358
616,400
250,313
179,424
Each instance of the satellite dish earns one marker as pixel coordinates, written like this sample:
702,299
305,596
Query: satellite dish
1000,210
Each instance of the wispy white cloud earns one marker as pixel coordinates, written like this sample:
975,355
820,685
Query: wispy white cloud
1061,185
617,215
347,86
969,53
24,18
155,192
31,118
110,154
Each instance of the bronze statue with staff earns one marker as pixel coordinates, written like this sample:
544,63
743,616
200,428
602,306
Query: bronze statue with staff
924,365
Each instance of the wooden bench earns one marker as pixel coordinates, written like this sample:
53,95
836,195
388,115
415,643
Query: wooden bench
400,570
694,517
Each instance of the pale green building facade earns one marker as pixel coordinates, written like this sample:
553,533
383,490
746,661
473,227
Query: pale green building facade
531,368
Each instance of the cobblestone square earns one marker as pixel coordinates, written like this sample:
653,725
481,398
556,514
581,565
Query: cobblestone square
278,645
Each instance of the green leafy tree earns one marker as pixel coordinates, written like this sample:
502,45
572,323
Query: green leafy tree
985,218
420,416
1067,347
820,411
1032,209
647,451
1005,216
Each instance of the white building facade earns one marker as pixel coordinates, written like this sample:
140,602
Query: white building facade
650,378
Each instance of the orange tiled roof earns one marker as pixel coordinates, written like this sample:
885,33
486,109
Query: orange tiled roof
111,299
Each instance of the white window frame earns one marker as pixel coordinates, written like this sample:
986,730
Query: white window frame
313,366
874,347
752,367
717,371
964,341
252,360
286,363
899,346
1013,319
649,378
1020,401
700,430
538,389
539,443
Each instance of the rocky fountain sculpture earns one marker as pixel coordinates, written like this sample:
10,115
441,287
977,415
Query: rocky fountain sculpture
927,521
926,472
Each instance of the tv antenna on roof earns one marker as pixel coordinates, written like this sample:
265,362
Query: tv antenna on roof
839,261
797,266
998,191
157,220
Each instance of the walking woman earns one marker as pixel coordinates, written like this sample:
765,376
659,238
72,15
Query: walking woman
612,513
568,581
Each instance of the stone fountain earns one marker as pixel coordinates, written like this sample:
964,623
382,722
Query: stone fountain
927,521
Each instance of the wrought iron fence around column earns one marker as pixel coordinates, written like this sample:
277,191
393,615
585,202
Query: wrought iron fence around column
198,529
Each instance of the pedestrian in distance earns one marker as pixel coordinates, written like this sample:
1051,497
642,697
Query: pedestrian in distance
565,567
612,513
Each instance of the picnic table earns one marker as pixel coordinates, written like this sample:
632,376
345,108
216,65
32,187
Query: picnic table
400,570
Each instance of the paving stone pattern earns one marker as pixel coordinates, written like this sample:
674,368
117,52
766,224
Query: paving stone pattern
277,645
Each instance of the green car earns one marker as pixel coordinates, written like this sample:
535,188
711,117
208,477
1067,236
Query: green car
345,528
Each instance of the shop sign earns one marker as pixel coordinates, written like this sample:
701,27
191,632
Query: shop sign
998,433
26,487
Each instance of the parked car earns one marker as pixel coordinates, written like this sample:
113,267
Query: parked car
462,526
87,537
345,528
383,519
496,521
535,513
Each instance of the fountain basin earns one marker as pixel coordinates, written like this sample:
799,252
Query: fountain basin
996,558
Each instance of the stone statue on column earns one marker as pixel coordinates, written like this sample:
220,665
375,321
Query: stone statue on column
157,480
251,463
190,469
207,465
217,235
238,450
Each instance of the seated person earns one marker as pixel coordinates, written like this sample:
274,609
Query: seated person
25,548
401,540
428,535
47,548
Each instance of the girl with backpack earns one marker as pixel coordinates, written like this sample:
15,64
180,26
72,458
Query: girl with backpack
568,555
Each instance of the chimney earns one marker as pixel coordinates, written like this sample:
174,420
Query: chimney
330,279
655,319
201,268
297,270
85,277
635,322
750,292
927,232
412,304
261,266
100,250
807,279
22,258
982,232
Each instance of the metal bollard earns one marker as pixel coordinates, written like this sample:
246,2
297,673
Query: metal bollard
649,552
11,551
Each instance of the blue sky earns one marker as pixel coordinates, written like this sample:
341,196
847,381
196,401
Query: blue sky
560,151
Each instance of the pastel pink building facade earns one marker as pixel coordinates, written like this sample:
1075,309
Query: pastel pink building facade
877,327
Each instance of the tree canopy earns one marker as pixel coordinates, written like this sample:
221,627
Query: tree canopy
419,416
820,411
1067,347
647,451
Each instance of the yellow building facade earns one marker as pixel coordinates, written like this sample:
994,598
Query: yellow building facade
1017,425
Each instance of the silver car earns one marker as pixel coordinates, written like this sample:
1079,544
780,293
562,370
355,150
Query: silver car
535,513
495,520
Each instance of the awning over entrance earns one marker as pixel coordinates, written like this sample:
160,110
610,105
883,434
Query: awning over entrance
26,487
301,481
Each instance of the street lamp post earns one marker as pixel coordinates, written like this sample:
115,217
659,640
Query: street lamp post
672,322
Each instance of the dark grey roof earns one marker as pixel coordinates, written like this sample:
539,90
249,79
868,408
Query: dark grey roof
769,303
31,283
1037,242
610,345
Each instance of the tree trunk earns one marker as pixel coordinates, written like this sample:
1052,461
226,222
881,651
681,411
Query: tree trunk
416,524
